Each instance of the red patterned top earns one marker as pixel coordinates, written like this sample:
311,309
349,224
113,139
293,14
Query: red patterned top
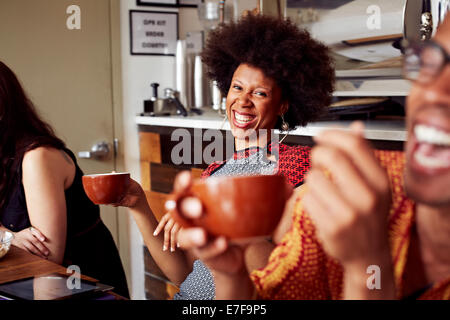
293,161
298,268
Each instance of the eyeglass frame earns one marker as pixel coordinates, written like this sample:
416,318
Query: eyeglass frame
422,45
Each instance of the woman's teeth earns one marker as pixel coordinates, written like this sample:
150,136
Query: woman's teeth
431,135
243,119
432,151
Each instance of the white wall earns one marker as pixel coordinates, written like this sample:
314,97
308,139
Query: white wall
137,74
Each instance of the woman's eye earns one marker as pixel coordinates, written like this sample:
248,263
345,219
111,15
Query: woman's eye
237,87
262,94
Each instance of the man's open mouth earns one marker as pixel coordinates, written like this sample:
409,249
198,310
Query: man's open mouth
433,147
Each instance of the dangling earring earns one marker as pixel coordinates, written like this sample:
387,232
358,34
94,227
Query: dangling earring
284,127
225,119
284,124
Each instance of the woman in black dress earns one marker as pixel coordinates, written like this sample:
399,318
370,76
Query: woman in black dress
42,200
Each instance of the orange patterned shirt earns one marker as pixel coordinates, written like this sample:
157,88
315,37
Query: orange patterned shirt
298,268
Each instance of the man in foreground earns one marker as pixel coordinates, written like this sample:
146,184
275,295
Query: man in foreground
368,225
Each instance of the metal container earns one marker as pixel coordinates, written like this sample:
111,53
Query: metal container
216,96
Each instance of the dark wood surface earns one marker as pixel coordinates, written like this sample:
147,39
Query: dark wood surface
20,264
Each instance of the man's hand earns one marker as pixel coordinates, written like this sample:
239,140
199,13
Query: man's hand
348,197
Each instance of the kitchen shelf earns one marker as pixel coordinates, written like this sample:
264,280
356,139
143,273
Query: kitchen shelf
388,130
372,88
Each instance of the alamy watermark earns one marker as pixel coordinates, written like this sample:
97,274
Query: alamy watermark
374,20
73,22
74,280
374,281
191,148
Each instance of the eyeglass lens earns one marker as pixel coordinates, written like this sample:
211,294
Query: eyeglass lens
423,62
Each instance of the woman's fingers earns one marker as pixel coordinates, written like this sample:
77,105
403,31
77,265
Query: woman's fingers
34,237
41,247
30,247
182,182
171,229
30,239
167,229
216,254
174,236
190,238
213,249
161,224
220,256
188,207
35,232
191,207
132,196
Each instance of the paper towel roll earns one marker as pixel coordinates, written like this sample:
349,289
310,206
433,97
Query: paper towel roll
199,83
181,72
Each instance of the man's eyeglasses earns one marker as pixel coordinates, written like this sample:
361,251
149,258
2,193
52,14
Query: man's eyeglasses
424,60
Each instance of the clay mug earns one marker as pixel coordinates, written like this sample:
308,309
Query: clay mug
107,188
238,207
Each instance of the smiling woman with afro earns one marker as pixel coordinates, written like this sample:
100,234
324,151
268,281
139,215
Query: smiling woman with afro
300,65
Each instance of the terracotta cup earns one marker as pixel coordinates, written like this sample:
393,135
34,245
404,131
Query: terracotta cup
106,188
238,207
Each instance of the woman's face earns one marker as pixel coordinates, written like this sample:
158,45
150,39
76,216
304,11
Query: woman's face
253,101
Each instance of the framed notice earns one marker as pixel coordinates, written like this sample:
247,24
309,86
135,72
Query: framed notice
153,32
158,3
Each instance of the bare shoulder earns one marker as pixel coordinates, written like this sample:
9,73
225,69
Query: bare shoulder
47,156
48,159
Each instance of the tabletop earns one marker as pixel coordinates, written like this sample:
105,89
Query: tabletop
20,264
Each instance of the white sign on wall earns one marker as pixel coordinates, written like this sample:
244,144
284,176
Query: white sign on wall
194,42
153,32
